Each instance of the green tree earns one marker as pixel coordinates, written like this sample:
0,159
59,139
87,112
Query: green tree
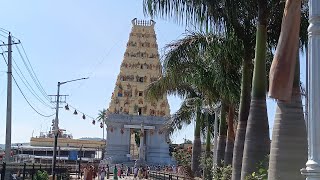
289,136
230,136
102,116
228,16
257,142
202,69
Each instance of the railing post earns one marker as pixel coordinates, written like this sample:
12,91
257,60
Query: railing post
32,172
3,173
24,171
40,167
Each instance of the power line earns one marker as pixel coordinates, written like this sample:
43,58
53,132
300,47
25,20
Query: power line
33,76
26,83
33,70
14,79
29,102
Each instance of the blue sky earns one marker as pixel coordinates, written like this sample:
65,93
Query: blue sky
72,39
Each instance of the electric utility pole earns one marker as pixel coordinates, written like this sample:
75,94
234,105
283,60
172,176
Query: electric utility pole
55,128
9,99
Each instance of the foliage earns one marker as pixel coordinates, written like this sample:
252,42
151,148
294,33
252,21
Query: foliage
41,175
262,173
187,141
102,115
137,137
222,173
183,157
65,176
206,163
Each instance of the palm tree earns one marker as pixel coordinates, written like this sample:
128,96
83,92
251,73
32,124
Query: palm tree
228,16
257,142
102,117
222,135
230,137
209,123
289,136
201,66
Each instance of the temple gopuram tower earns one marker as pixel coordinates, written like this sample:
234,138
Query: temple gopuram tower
129,110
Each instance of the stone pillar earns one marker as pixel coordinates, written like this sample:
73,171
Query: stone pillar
312,170
141,162
142,147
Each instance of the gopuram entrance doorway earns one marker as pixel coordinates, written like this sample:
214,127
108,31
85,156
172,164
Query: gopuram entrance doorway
132,118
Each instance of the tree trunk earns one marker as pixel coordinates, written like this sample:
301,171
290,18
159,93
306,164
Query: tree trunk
222,136
196,148
230,138
207,169
221,150
243,116
257,142
289,137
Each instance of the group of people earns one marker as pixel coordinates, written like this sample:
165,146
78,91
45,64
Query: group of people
90,172
141,173
102,173
121,171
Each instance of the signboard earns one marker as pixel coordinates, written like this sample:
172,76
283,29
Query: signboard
73,155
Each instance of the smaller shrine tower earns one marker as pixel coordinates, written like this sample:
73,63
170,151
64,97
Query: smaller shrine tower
129,110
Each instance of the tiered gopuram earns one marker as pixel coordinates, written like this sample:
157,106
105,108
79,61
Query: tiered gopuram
130,111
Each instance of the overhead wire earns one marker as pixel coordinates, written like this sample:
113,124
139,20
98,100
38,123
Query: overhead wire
26,83
91,73
81,112
14,79
33,76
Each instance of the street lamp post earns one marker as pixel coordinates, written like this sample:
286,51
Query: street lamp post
312,170
56,126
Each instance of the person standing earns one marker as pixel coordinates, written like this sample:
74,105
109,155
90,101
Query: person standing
90,173
108,171
102,173
85,172
115,173
135,172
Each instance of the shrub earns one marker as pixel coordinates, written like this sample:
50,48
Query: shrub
41,175
262,173
222,173
206,163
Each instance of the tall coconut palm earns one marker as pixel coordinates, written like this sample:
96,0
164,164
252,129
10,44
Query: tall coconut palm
102,117
222,135
230,137
289,136
228,16
257,142
209,122
204,64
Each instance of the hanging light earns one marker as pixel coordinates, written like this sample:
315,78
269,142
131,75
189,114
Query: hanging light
83,116
93,122
66,107
75,112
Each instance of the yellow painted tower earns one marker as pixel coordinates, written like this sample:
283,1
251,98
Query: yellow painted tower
140,67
